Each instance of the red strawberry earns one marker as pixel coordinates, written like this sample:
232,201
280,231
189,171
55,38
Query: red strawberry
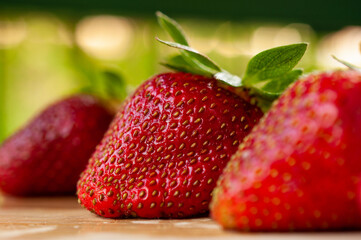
48,154
300,167
166,148
359,194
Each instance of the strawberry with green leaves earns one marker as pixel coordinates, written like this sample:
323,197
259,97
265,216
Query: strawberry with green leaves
167,146
300,168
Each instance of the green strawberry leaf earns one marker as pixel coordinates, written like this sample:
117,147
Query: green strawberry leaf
273,63
347,64
191,60
172,28
273,88
100,80
194,58
114,84
178,63
197,62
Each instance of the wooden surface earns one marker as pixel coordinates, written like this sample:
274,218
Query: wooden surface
63,218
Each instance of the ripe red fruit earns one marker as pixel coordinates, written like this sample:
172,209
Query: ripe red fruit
359,196
300,166
166,148
47,155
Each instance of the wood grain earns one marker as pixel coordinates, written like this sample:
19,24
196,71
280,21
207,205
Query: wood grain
63,218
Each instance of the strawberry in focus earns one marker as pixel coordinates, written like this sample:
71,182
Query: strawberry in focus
300,166
166,148
47,155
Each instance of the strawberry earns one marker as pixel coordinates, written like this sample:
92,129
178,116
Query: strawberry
300,167
359,195
47,155
167,146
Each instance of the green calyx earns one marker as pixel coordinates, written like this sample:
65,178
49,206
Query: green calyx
104,81
107,84
267,75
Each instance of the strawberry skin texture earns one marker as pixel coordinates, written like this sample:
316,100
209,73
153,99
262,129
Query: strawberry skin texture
166,148
300,167
47,155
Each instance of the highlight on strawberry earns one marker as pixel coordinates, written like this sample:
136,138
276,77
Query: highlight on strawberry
171,139
300,168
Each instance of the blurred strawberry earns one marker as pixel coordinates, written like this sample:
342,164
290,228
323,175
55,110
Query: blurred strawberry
300,167
47,155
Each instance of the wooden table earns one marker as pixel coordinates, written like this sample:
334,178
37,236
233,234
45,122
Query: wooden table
62,218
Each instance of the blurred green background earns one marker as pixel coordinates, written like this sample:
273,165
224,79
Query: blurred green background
49,49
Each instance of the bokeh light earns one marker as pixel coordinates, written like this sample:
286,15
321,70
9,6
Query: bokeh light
104,36
344,44
272,36
12,32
